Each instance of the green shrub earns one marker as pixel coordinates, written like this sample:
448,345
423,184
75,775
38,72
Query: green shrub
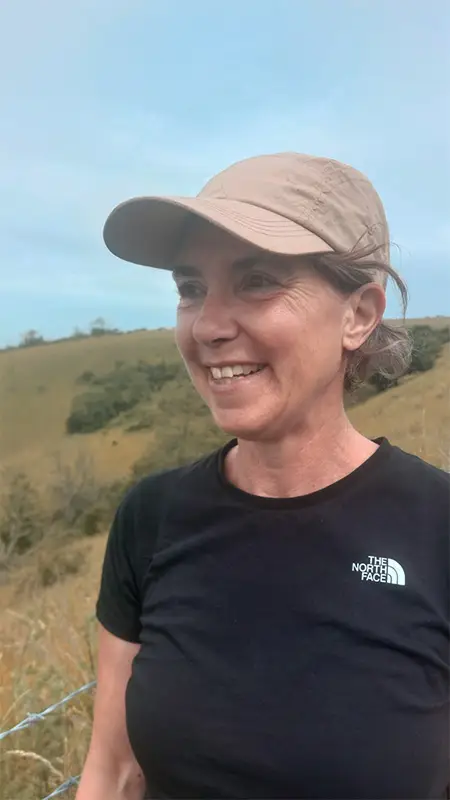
381,383
117,391
427,345
89,413
86,377
92,522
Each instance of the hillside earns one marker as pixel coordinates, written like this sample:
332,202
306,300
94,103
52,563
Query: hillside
414,415
37,385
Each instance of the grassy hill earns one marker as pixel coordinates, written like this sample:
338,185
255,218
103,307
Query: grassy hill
37,385
414,415
47,626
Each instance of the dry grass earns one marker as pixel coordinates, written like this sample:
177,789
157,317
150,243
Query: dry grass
415,415
48,650
37,385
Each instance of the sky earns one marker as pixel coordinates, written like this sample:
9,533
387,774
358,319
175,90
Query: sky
101,100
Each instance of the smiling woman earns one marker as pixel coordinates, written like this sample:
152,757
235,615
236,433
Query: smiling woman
241,307
274,617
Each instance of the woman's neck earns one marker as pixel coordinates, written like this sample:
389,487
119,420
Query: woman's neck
300,463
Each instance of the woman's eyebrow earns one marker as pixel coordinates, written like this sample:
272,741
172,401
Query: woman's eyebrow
244,264
284,265
189,271
185,271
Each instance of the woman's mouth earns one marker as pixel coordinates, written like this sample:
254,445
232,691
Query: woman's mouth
230,373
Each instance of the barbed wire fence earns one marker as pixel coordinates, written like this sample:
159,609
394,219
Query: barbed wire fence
32,719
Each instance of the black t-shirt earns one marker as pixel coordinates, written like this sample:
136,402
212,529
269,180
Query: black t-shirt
290,648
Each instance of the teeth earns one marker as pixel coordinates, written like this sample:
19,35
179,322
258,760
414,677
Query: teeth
234,370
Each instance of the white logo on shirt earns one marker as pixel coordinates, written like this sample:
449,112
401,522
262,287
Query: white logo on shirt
380,570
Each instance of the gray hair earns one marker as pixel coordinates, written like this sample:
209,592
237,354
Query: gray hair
387,351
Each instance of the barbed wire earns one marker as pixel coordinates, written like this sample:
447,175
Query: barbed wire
32,719
64,786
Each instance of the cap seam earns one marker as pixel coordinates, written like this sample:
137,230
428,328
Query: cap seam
251,222
234,215
327,173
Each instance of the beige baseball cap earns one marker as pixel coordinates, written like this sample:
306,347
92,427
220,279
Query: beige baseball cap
286,203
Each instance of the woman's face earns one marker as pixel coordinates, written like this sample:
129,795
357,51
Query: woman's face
245,310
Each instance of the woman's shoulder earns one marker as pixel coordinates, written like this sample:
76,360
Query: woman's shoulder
151,489
420,470
419,482
141,513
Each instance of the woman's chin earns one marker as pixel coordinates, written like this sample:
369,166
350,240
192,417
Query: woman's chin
241,424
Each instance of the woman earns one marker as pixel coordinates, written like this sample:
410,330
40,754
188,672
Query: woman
274,617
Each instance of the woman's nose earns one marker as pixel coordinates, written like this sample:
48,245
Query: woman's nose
215,320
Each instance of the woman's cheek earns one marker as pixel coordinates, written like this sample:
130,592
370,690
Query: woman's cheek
183,337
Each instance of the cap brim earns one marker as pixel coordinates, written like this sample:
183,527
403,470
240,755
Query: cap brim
148,230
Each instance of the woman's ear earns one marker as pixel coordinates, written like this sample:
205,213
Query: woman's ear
365,309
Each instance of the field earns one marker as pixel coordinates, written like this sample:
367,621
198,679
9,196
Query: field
47,625
37,385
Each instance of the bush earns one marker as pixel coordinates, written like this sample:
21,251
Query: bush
82,506
52,567
381,383
92,521
76,495
427,345
86,377
21,517
92,411
117,391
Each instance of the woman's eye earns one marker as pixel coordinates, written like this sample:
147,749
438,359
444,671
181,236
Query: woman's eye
258,280
189,290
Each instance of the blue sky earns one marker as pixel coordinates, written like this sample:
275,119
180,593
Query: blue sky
104,99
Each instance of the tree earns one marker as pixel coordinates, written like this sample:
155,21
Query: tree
74,489
98,327
78,333
30,339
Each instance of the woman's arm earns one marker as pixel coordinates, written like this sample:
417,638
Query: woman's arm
111,770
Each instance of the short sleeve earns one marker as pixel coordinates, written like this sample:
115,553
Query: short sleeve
118,604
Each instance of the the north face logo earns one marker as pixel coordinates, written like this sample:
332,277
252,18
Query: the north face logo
380,570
